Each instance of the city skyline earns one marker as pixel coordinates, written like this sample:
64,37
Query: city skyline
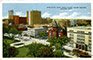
52,10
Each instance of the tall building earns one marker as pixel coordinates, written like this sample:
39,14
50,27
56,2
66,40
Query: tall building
10,13
80,40
35,17
80,37
27,15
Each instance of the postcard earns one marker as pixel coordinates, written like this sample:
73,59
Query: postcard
46,30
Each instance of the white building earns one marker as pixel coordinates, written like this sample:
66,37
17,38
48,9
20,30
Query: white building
80,38
33,32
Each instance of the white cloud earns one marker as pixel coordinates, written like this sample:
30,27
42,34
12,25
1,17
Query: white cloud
70,10
74,15
20,14
46,14
89,13
5,17
61,15
84,17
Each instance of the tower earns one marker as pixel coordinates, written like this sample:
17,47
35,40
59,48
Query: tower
10,14
27,14
35,17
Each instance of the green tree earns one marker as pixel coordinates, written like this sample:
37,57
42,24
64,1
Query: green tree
34,49
63,40
9,51
58,42
14,31
41,34
46,52
58,53
58,46
5,29
52,40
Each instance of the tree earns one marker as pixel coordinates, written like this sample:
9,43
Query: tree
58,42
41,34
5,29
9,51
58,46
58,53
63,40
52,40
14,31
46,52
34,49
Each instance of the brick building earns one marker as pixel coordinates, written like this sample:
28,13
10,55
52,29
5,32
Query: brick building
57,31
19,20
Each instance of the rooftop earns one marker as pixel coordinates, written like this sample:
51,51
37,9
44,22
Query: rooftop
81,27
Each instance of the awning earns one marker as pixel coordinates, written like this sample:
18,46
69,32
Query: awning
69,48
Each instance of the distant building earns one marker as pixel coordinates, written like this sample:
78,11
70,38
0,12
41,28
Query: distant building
46,20
80,40
63,22
19,20
73,23
27,14
35,17
33,32
10,13
5,21
57,31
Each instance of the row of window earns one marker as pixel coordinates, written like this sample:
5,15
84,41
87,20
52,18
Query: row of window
82,42
81,32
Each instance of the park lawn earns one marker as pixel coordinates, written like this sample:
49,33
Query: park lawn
22,51
8,41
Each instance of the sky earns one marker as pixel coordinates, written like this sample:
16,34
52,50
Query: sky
52,10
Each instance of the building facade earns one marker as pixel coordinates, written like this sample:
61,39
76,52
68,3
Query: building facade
80,40
19,20
57,31
27,14
10,13
35,17
33,32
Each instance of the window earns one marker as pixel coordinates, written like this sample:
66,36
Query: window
80,32
90,33
50,34
59,34
53,33
82,47
71,34
71,30
76,45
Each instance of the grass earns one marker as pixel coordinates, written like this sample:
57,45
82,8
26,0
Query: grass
22,52
8,41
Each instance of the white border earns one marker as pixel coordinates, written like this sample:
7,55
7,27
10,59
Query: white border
43,1
46,1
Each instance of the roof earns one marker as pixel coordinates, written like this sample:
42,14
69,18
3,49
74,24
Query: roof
80,27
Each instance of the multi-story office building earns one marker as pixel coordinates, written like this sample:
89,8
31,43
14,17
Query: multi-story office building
33,32
10,13
35,17
80,39
27,14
